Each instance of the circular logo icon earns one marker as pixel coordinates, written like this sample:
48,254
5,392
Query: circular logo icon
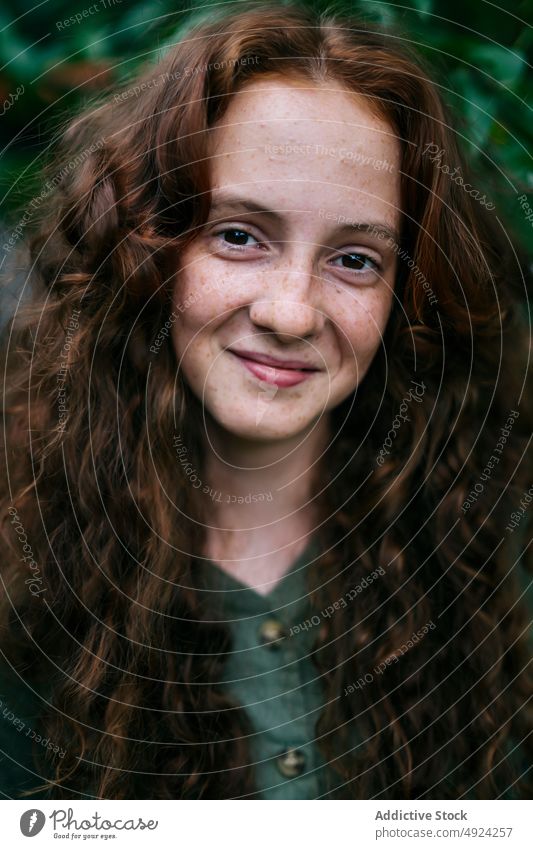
32,822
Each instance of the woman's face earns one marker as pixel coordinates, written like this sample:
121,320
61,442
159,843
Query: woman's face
296,263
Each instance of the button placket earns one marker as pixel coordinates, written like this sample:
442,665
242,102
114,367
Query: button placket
277,701
295,760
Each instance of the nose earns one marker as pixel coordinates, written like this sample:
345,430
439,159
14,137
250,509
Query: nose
292,309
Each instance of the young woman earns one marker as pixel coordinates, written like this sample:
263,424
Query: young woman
266,431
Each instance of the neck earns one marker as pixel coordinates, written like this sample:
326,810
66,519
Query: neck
261,493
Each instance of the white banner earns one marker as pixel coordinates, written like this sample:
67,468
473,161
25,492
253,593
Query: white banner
241,823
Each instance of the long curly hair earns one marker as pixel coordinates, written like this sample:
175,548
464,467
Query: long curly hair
115,631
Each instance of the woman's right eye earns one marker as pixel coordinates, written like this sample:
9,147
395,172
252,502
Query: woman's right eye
236,237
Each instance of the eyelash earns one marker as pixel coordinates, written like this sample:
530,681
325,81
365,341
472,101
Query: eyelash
376,266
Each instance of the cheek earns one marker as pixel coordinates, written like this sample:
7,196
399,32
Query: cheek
362,321
203,296
195,304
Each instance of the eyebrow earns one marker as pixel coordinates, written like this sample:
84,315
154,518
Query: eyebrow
236,204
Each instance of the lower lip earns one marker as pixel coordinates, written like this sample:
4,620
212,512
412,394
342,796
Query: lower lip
278,376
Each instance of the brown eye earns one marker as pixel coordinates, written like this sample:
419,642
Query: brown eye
358,262
235,237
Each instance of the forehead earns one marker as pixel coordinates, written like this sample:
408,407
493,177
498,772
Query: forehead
299,142
273,97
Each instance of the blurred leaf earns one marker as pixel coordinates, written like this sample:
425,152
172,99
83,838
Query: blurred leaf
507,67
477,105
423,6
478,49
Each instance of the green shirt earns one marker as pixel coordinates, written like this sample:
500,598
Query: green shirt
270,673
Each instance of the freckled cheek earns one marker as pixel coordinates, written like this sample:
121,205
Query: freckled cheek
361,326
208,296
194,331
202,307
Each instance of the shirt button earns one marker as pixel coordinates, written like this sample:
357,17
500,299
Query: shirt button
272,633
291,763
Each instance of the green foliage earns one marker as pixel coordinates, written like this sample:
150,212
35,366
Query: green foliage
479,53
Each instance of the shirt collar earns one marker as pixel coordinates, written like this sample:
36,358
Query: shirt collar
289,600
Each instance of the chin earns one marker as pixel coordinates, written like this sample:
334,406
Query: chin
257,426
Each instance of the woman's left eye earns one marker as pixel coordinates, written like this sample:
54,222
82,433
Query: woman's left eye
358,262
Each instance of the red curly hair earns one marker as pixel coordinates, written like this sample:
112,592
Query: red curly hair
120,632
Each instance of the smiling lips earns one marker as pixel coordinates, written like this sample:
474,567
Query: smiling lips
282,373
